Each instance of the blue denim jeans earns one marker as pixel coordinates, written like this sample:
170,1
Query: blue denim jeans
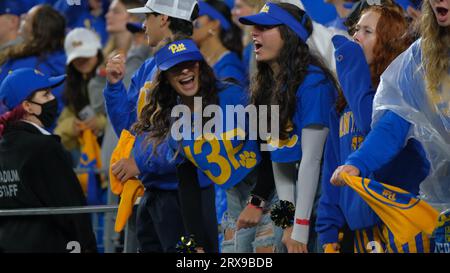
247,240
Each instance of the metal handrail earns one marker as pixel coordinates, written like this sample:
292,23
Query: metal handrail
58,210
87,170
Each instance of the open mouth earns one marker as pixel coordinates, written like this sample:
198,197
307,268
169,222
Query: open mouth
187,82
258,45
442,13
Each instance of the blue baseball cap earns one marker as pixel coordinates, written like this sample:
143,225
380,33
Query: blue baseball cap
177,52
15,7
273,15
22,83
207,9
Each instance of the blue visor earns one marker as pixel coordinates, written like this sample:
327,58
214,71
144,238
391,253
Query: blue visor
22,83
272,15
207,9
177,52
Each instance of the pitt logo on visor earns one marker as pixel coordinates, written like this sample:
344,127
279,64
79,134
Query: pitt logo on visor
37,72
265,9
177,48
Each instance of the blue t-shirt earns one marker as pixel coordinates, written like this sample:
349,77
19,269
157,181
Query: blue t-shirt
230,66
246,57
315,97
223,160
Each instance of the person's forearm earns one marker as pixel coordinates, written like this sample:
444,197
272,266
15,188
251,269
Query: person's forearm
385,141
118,107
285,177
313,141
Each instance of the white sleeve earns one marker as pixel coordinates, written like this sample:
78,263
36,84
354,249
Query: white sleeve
285,177
313,141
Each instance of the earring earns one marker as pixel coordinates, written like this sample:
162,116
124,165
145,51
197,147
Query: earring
212,32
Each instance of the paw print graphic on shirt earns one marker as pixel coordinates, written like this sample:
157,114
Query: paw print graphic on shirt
248,159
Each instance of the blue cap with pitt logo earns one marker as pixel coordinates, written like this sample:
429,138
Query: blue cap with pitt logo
177,52
23,82
273,15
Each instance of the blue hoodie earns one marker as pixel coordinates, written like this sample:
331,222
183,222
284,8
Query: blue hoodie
246,57
342,205
54,64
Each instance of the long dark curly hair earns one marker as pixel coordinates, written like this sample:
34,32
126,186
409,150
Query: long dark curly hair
155,118
294,59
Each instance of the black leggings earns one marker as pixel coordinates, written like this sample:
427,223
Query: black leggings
198,208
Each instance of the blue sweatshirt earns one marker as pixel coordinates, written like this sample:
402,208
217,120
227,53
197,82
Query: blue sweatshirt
342,205
157,170
122,105
53,64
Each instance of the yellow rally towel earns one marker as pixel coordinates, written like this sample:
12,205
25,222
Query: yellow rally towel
404,214
122,150
131,189
90,157
329,249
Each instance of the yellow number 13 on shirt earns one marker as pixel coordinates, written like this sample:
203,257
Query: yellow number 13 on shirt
214,156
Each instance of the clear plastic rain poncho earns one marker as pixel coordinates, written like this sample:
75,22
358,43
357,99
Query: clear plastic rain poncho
402,91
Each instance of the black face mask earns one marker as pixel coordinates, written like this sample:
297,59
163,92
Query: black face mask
49,112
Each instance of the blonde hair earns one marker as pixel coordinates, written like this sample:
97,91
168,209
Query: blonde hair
255,4
435,51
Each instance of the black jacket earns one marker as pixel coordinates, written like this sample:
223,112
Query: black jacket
35,171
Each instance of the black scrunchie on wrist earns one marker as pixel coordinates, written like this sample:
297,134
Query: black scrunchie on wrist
186,244
282,214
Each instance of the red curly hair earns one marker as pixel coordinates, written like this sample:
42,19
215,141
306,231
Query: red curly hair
392,38
10,117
